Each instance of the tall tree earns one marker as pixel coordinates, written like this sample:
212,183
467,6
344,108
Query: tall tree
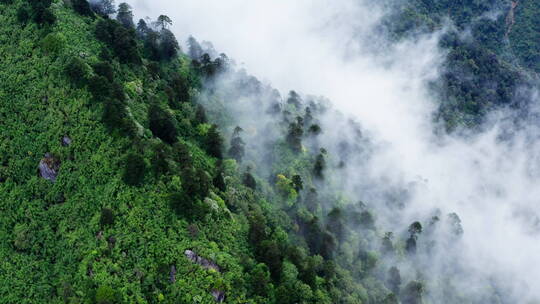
162,124
103,7
195,50
168,46
163,21
237,149
82,7
125,15
214,142
294,137
394,280
294,99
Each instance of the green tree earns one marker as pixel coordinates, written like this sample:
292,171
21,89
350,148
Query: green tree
134,169
260,280
298,184
125,15
103,7
249,180
294,137
162,124
168,47
412,293
82,7
163,21
237,150
320,164
106,295
294,99
394,280
53,43
335,223
77,70
214,142
104,69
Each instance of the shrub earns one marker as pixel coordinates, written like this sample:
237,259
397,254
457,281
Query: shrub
23,237
53,43
105,295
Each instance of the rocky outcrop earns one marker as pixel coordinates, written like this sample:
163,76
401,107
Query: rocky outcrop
172,274
204,263
219,296
49,167
66,141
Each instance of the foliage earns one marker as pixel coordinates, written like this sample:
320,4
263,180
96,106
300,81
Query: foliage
82,7
134,169
115,225
121,40
162,124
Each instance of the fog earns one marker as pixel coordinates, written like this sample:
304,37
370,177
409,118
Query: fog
331,48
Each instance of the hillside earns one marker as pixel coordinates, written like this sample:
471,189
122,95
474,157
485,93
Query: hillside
136,177
135,171
492,53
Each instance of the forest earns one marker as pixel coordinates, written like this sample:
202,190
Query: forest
126,175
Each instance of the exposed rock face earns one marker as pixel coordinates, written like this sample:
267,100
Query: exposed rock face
206,264
219,296
172,274
66,141
48,167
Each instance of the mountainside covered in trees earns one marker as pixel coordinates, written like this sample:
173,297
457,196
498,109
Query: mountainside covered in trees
493,52
133,172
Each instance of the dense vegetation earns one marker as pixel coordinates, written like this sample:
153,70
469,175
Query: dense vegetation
492,52
137,175
128,175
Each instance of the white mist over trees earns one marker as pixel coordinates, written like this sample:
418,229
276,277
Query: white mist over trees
332,48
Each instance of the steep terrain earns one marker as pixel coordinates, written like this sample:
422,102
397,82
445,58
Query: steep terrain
114,188
491,49
134,172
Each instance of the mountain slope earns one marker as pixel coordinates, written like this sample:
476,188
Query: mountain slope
131,172
137,193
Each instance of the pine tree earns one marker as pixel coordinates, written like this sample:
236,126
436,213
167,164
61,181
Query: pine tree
214,142
125,15
237,149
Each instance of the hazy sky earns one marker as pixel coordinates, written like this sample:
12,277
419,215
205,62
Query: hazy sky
324,48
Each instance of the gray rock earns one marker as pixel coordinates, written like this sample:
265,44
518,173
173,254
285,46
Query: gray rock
219,296
204,263
66,141
172,274
48,167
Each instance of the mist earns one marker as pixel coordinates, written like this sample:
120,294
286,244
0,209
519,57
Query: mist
333,49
